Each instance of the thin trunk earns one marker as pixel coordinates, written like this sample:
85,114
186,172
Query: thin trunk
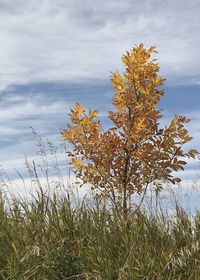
125,202
125,196
126,170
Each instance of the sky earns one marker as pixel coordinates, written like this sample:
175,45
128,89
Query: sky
56,53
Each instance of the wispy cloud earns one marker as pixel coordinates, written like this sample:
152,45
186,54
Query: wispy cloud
67,40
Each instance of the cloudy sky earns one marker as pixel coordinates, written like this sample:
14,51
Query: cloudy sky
55,53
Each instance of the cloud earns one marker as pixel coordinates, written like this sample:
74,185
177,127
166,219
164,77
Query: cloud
43,106
62,40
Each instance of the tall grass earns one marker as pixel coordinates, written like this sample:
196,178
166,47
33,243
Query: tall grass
53,236
50,239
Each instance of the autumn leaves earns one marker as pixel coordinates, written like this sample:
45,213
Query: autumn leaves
135,152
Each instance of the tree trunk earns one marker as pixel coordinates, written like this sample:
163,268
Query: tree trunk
125,202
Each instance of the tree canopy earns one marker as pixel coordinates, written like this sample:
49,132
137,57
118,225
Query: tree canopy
135,151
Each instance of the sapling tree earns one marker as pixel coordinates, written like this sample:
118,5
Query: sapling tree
135,152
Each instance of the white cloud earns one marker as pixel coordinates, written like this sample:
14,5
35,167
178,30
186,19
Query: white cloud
27,109
67,40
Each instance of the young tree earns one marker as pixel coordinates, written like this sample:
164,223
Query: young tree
135,152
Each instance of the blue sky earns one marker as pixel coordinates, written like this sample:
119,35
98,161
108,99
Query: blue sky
55,53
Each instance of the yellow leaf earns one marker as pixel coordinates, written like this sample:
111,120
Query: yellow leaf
79,110
93,114
77,164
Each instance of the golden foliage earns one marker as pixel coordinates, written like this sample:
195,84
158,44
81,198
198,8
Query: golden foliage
135,151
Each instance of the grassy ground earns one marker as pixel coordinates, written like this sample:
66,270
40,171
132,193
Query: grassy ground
50,239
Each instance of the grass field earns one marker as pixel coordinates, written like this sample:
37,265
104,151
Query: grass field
47,238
